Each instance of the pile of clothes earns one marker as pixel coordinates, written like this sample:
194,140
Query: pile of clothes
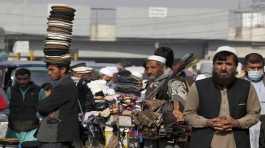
127,83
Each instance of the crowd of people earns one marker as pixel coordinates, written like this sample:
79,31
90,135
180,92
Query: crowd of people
158,105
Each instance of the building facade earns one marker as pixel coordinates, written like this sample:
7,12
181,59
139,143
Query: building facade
116,29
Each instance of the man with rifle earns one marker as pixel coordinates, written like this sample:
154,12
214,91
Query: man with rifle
164,100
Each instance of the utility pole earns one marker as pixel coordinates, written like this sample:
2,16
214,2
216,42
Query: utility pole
239,4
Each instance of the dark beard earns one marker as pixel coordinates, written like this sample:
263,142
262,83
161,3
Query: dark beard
223,82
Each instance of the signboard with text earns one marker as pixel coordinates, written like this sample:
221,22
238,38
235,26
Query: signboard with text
160,12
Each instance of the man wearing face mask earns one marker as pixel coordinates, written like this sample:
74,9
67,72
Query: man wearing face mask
253,66
221,108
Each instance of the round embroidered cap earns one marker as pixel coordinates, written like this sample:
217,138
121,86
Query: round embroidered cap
225,49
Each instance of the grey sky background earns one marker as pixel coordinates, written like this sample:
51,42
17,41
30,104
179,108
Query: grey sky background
169,3
219,4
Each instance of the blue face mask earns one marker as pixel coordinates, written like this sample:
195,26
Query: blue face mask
255,75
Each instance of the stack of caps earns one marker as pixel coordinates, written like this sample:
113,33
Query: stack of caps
59,37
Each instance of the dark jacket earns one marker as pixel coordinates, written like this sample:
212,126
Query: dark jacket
210,100
63,99
23,108
85,96
262,128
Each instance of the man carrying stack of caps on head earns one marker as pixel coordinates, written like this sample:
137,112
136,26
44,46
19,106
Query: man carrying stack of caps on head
59,37
59,128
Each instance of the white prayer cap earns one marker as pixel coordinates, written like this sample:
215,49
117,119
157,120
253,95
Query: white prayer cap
108,71
114,69
137,71
157,58
227,49
82,69
200,77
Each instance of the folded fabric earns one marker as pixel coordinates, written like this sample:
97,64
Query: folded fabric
97,86
127,88
91,113
127,79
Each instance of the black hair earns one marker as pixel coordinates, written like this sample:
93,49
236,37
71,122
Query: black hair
253,58
22,71
222,56
60,66
167,53
125,63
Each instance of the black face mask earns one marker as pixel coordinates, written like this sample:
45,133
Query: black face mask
223,82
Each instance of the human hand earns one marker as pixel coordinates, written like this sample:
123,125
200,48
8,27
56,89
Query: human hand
177,112
224,123
48,92
52,115
229,123
215,123
178,115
